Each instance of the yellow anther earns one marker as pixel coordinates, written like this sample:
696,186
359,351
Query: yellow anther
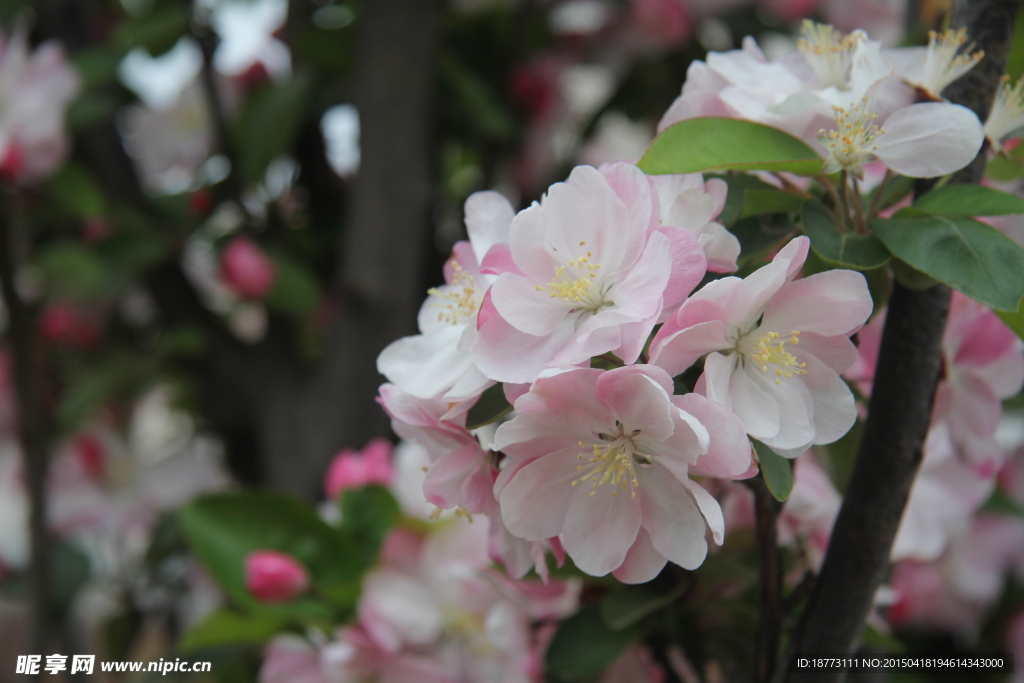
461,298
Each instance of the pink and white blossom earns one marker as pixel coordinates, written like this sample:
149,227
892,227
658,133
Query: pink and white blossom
690,203
356,469
590,273
437,361
246,270
604,458
775,347
37,88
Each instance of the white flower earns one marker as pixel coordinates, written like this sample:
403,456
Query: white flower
1007,114
920,141
944,61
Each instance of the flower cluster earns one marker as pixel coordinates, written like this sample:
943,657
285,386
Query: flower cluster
581,306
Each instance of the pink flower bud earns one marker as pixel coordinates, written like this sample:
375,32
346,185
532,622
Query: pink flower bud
273,576
91,455
246,269
354,470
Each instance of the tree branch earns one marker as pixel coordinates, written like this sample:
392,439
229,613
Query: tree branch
769,628
31,435
909,363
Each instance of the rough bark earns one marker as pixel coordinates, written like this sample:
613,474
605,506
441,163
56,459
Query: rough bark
909,364
381,253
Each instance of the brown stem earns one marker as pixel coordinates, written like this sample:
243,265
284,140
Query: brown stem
31,436
769,627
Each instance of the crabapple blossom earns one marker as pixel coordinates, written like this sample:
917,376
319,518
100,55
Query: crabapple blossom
688,202
435,596
983,364
273,576
461,473
944,60
37,88
246,269
834,92
775,347
437,361
354,470
604,458
590,274
1007,113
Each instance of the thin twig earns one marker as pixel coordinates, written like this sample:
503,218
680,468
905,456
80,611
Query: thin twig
857,208
877,200
31,436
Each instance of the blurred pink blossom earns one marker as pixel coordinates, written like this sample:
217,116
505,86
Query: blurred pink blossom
246,269
355,469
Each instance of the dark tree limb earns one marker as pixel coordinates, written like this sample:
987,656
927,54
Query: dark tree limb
31,430
909,364
769,628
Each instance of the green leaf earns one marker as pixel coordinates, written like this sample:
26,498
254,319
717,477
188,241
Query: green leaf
776,470
368,514
224,627
967,200
584,645
295,291
90,109
972,257
70,571
269,124
738,184
1014,320
158,31
223,529
491,407
760,202
849,250
474,99
97,65
1001,504
72,270
719,144
76,191
623,608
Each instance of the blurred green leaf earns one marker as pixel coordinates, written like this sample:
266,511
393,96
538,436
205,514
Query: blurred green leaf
966,200
846,249
84,394
963,253
71,269
1001,504
69,572
158,31
97,65
295,291
474,98
717,144
491,407
584,645
74,189
623,608
776,470
368,514
224,627
269,124
223,529
324,48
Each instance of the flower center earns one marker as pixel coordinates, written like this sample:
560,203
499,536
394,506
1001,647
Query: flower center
611,462
829,52
852,143
460,300
1007,113
944,62
769,349
576,283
